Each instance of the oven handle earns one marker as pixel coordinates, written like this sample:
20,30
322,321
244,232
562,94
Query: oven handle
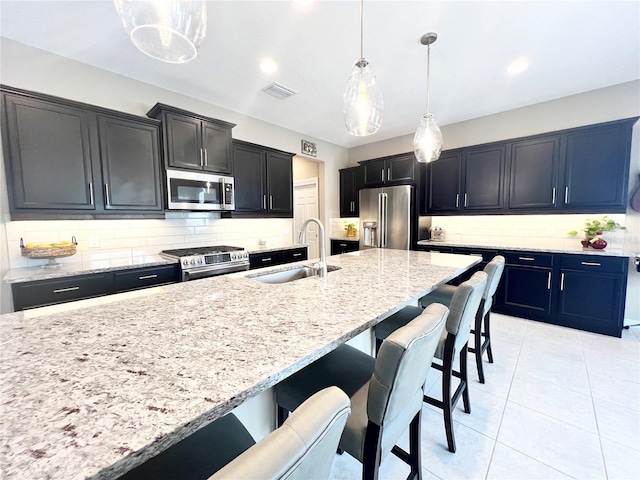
210,272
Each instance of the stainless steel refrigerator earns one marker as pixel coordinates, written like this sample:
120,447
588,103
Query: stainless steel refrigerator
387,217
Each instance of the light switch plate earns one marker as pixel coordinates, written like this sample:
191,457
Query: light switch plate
94,242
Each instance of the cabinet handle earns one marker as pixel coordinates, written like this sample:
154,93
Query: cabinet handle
388,174
457,200
549,281
342,244
146,277
591,264
382,173
465,199
270,202
297,254
264,202
528,259
353,206
106,193
566,194
562,282
202,157
266,259
91,192
70,289
206,158
553,196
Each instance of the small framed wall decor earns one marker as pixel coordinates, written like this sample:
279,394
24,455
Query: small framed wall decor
309,148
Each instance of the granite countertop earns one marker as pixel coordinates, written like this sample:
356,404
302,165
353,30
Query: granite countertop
30,274
95,387
344,238
274,248
612,252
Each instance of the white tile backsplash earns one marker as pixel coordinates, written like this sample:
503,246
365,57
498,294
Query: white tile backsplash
125,239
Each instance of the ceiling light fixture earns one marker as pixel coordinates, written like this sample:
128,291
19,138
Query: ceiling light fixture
427,142
268,66
362,100
168,30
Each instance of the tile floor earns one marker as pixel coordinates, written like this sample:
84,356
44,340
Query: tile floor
557,403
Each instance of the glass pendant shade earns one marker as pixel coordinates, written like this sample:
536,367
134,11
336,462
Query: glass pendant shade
168,30
427,142
362,101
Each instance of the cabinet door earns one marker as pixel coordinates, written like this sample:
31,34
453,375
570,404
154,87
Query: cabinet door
216,142
249,174
444,184
280,183
527,291
47,155
294,255
129,153
597,168
533,174
483,178
374,172
401,169
351,182
145,277
267,259
183,143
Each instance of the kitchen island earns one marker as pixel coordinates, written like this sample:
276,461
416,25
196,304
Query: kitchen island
95,387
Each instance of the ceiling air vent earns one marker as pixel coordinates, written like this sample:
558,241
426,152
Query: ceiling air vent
279,91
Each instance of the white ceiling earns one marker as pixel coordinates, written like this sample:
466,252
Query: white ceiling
572,46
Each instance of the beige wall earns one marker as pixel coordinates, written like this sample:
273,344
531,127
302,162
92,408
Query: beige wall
305,168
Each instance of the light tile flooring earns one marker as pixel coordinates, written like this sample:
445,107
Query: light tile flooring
557,403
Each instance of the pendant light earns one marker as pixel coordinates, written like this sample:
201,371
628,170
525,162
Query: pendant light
362,99
168,30
427,142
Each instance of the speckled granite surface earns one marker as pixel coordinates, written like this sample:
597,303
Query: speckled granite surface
94,388
274,248
613,252
31,274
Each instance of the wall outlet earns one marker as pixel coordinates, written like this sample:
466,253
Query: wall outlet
94,242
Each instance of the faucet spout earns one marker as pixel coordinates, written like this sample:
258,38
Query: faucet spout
322,267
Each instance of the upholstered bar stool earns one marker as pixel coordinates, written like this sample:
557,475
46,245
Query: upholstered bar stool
481,330
386,392
463,307
304,447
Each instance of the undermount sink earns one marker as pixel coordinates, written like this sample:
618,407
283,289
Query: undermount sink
289,274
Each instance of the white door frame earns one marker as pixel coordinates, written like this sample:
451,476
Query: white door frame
297,220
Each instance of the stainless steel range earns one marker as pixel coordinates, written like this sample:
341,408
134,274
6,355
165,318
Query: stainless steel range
209,261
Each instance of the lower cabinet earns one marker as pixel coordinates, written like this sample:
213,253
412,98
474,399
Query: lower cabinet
40,293
526,285
277,257
344,246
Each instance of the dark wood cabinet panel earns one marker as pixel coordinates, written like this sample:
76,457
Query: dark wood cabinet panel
351,182
533,174
145,277
444,183
280,183
401,168
374,172
266,259
183,145
295,254
130,158
216,142
398,169
483,178
344,246
527,290
48,155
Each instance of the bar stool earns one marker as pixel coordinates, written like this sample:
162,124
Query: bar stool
304,447
386,392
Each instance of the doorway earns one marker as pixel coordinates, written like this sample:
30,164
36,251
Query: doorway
305,205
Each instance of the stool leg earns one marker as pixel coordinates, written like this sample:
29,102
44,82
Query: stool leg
447,373
282,414
415,457
464,381
477,349
487,336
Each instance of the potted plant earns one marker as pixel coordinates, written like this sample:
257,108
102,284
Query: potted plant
594,228
351,229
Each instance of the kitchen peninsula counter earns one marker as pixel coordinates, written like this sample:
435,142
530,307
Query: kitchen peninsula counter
95,387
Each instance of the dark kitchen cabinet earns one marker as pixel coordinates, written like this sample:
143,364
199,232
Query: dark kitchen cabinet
263,181
397,169
266,259
483,178
66,159
193,141
351,181
443,191
339,247
130,160
138,278
592,293
295,254
597,167
534,174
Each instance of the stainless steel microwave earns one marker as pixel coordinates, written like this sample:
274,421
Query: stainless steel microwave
199,191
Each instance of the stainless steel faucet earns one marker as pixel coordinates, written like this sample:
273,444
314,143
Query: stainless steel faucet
322,267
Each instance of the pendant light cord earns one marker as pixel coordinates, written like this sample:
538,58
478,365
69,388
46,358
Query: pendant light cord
361,28
428,72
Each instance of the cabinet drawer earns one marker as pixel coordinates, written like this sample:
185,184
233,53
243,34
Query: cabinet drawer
595,263
145,277
529,258
344,246
294,255
267,259
49,292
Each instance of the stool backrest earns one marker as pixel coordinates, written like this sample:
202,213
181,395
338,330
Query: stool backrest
303,447
464,306
494,271
402,363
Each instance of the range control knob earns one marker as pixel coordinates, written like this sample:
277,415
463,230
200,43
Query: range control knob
193,261
185,262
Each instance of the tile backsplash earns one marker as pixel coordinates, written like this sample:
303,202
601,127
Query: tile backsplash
122,239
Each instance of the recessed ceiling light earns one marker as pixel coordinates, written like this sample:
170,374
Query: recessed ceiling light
517,66
303,3
268,66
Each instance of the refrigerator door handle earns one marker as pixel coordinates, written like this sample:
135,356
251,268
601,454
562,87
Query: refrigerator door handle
383,227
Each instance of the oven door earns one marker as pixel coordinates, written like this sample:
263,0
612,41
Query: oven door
199,191
204,272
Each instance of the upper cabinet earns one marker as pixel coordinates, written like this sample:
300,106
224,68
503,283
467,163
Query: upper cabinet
67,159
397,169
263,181
194,142
580,170
351,181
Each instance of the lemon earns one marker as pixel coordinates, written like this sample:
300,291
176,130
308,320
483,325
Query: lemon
65,243
30,245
